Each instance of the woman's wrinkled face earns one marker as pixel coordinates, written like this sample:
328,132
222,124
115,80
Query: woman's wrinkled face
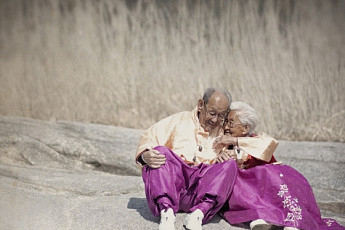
233,126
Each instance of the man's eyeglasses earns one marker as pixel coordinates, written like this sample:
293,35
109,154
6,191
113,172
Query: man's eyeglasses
213,114
232,124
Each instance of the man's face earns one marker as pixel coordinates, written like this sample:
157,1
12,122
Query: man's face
213,113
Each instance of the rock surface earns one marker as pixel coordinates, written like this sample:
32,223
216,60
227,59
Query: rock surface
68,175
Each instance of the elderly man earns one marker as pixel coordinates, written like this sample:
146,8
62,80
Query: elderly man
177,156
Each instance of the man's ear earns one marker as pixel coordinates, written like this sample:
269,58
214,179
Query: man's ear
200,104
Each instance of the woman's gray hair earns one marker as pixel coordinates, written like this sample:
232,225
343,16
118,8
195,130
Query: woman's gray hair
246,114
209,91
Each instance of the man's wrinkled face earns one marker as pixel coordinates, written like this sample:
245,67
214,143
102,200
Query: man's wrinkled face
212,114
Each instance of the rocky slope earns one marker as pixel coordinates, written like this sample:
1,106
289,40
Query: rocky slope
67,175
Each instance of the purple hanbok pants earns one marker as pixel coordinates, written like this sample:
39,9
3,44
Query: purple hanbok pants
278,194
185,188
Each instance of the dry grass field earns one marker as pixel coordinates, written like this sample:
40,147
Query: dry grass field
131,63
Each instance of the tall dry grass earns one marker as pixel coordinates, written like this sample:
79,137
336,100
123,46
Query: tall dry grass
131,63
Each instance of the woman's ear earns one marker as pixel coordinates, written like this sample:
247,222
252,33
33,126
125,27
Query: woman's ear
246,129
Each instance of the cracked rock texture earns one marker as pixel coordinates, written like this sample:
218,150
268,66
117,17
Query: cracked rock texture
68,175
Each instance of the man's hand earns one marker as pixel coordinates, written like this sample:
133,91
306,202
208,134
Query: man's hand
225,155
153,159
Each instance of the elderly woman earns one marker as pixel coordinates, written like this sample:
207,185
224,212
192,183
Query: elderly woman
267,195
241,122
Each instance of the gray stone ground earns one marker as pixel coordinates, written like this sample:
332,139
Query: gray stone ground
67,175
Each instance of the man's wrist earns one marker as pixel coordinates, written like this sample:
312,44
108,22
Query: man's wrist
141,159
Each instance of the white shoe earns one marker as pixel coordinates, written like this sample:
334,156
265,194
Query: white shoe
193,221
290,228
260,224
168,220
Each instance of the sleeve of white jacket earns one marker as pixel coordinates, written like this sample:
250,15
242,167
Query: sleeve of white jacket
158,134
260,147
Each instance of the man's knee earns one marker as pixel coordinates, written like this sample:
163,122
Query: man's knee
161,149
164,151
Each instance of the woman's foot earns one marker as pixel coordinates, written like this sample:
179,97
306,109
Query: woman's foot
260,224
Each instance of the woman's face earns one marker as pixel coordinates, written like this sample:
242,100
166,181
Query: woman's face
233,126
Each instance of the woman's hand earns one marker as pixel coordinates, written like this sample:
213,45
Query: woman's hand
225,140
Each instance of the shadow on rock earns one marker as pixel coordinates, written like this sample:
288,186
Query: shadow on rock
140,204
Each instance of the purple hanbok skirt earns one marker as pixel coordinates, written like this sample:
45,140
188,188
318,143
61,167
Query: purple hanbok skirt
278,194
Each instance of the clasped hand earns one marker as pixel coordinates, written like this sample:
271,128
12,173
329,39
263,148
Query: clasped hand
225,155
153,158
221,145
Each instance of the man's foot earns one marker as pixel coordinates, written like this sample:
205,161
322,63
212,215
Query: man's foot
193,221
168,220
290,228
260,224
